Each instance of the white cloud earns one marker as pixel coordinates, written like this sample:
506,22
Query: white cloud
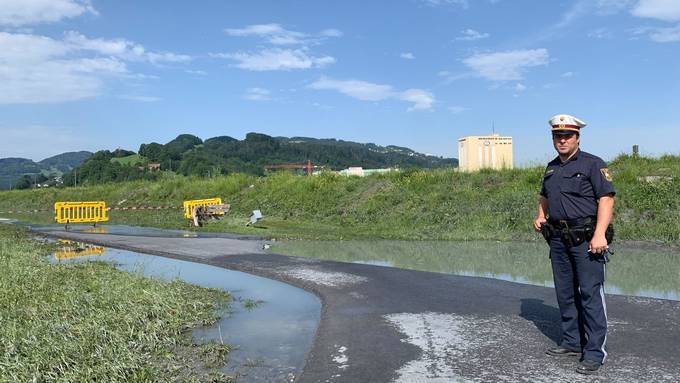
659,35
421,99
276,59
438,3
667,10
456,109
277,35
361,90
577,10
273,33
366,91
140,98
600,33
520,87
506,66
568,74
407,56
16,13
123,49
257,94
471,34
665,35
269,59
37,69
608,7
331,33
197,72
451,77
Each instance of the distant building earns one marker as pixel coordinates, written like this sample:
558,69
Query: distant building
153,166
361,172
484,152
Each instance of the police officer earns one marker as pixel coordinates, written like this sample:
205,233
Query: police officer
574,209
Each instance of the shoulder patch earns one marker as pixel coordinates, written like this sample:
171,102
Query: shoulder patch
605,174
549,172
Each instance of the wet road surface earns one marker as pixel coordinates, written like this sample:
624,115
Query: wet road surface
382,324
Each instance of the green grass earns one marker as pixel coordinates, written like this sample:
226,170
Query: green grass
88,321
130,160
413,204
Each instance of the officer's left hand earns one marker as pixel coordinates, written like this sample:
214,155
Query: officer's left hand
598,244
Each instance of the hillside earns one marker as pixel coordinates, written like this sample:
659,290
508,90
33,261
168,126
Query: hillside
190,155
12,169
66,161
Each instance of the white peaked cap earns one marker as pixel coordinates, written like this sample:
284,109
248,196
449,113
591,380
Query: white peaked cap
566,122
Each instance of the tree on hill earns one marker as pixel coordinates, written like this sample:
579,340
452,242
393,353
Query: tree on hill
154,151
181,144
28,181
100,169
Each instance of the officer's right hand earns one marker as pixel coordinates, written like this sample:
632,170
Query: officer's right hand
538,222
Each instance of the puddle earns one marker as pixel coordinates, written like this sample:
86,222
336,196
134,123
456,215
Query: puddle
632,271
270,326
137,231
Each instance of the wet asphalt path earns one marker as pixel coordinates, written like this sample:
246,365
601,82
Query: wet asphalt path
382,324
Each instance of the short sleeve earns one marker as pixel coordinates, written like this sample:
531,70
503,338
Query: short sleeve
544,192
601,179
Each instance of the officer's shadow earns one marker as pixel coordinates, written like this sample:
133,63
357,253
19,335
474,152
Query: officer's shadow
545,318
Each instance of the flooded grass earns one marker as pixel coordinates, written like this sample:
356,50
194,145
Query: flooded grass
91,322
640,271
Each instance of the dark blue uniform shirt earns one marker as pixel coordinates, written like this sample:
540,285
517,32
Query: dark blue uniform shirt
573,187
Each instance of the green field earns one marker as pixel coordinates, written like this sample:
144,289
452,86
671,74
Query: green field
130,160
412,204
78,322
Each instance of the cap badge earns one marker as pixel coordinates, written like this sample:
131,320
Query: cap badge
561,118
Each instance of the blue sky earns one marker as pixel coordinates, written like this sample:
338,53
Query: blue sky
90,75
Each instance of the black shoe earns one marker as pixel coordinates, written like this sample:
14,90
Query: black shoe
561,351
588,367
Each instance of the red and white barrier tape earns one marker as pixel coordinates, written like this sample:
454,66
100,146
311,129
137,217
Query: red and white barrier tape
108,208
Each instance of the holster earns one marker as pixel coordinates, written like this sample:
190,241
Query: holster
608,233
546,231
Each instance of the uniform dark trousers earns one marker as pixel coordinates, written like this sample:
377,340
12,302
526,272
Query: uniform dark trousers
579,284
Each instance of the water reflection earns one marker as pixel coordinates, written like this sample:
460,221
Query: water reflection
138,231
632,271
71,249
271,325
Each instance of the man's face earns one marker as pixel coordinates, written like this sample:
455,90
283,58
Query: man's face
565,143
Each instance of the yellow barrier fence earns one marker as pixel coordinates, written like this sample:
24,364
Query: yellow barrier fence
69,249
191,204
80,212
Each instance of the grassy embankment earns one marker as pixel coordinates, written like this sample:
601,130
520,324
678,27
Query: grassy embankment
419,204
85,322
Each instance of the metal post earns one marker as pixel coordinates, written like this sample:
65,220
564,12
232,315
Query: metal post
636,151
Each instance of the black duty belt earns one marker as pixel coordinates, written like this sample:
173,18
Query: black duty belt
576,222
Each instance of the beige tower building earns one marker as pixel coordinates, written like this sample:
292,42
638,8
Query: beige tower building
479,152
